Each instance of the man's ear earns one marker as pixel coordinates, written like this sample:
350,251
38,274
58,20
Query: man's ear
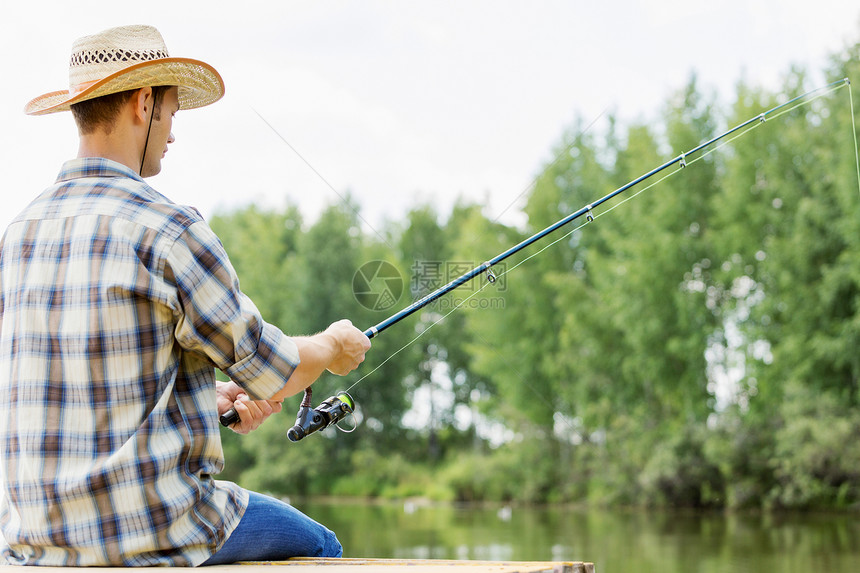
142,102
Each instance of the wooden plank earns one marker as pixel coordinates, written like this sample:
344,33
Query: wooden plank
354,565
447,565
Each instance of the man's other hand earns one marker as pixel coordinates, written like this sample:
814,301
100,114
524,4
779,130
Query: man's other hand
252,413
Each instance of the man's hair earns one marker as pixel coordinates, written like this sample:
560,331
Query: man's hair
102,111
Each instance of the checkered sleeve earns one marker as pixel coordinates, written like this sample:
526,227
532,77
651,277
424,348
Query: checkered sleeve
219,321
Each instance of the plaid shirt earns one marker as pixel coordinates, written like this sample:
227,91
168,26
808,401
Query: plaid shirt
116,306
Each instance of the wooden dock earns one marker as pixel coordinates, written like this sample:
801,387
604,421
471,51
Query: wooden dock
353,565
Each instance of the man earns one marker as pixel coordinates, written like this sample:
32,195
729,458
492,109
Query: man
116,307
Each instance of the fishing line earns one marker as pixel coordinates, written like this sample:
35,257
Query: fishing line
558,157
486,267
706,149
323,179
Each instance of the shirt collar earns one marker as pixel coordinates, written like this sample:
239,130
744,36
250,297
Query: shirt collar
94,167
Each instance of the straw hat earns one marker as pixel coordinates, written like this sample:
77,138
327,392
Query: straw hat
127,58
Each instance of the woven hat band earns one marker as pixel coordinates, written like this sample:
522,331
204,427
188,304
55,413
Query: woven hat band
105,56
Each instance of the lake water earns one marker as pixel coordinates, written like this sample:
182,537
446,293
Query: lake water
616,541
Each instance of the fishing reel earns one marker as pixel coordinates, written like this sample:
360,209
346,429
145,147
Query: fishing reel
310,420
331,411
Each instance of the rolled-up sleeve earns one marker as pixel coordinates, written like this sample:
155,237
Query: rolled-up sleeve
216,319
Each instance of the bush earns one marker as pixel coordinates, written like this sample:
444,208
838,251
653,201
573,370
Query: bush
817,457
679,474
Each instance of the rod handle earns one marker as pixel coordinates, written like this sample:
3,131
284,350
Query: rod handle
229,417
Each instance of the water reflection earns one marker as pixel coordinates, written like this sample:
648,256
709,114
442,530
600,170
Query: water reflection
616,541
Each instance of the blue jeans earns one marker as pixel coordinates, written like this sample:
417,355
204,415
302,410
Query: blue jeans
271,530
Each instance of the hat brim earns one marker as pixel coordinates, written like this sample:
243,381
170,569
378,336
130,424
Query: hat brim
198,82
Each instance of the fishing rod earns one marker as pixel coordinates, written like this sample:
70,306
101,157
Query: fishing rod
334,409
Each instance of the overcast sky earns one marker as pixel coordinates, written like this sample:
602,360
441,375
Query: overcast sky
399,102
